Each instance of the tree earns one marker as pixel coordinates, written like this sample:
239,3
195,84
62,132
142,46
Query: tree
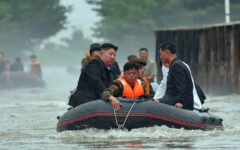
129,23
78,42
23,23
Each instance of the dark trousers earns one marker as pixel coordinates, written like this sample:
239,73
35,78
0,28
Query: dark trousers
167,100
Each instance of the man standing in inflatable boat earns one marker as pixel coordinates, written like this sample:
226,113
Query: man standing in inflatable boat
128,86
95,77
181,90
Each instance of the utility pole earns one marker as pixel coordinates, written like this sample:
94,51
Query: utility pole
227,11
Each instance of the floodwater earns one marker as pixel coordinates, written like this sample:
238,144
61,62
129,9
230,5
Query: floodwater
28,121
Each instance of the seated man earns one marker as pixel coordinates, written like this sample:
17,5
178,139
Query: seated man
181,91
95,77
127,86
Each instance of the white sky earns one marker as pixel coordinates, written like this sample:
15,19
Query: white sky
82,16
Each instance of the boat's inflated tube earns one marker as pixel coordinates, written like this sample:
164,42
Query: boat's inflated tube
145,113
20,79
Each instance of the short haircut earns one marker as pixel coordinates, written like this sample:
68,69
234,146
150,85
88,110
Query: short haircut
95,45
33,56
93,49
107,46
143,49
132,57
1,53
130,65
168,46
140,62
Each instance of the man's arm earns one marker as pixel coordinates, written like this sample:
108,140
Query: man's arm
93,72
153,69
163,85
180,77
115,90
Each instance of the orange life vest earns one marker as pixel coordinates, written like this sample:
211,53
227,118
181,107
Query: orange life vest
128,92
147,84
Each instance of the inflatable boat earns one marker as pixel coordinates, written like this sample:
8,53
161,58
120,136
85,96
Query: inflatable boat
135,113
20,79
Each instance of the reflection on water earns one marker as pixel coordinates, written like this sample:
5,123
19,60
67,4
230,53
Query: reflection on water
28,121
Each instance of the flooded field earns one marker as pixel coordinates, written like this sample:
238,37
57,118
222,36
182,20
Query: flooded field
28,121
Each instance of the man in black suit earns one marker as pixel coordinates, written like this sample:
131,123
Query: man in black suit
181,91
95,77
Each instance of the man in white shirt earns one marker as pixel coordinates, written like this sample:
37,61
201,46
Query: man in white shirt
163,85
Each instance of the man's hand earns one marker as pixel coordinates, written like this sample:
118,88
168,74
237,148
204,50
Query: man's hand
151,77
156,100
115,102
179,105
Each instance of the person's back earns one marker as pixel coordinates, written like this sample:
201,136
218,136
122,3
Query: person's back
179,89
95,77
17,65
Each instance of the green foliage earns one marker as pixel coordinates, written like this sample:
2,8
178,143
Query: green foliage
128,23
78,42
26,22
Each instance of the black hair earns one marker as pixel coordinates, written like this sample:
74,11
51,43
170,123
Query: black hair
95,45
93,49
141,62
33,56
107,46
168,46
130,65
143,49
132,57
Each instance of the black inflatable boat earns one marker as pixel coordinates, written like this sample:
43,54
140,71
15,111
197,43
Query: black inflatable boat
143,113
20,79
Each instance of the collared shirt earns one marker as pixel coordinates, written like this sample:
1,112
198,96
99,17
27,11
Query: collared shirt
196,100
151,69
163,85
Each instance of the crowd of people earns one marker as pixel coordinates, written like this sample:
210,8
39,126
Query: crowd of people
101,78
17,65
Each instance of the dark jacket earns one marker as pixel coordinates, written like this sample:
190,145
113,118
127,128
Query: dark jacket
115,70
200,93
179,85
94,79
16,66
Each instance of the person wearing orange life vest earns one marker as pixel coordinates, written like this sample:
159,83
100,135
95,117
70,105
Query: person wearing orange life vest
127,86
142,63
35,66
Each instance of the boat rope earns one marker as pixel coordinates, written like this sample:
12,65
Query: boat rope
121,126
